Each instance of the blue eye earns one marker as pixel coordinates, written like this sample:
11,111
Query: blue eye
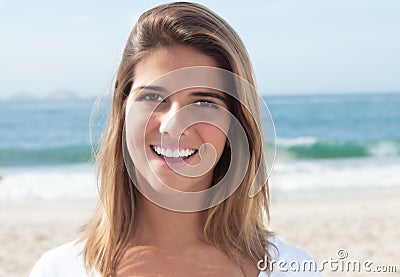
207,104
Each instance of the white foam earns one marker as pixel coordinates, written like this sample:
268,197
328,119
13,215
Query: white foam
50,183
385,149
288,177
296,141
296,177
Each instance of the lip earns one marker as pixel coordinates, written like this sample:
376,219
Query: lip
176,162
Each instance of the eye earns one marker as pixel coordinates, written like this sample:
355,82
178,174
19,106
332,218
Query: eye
206,103
152,97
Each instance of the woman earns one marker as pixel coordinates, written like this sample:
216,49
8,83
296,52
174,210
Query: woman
166,142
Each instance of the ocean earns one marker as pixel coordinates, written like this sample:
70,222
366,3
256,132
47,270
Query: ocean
324,143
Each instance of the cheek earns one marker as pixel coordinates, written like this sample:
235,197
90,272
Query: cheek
138,122
212,135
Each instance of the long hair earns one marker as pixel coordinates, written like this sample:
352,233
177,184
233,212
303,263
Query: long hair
237,225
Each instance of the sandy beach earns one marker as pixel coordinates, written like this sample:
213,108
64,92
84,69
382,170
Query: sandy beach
366,225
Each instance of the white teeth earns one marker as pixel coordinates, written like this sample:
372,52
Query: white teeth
173,153
168,153
183,152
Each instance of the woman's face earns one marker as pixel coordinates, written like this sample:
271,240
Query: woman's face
174,138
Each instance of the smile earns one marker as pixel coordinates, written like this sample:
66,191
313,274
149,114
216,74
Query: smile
173,153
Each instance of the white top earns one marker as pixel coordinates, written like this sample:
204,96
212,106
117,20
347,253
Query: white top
66,261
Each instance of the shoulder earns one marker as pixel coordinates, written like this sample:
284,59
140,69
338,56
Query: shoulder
290,261
64,260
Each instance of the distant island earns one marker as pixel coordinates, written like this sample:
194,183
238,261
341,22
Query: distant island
56,95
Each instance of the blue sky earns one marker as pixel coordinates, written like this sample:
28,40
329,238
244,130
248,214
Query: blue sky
296,47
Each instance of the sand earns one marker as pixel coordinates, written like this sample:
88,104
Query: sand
366,225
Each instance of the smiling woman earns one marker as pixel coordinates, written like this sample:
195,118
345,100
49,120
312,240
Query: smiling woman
182,149
159,128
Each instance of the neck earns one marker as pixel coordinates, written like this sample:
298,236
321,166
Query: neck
164,228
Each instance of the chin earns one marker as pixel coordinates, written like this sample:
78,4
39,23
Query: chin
179,183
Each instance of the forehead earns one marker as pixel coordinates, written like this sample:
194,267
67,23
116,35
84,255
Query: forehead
167,59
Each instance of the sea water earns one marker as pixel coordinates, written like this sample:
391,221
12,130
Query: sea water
324,143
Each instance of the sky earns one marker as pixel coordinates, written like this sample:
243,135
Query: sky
296,47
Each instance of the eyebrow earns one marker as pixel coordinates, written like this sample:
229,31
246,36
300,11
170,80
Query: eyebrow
208,94
155,88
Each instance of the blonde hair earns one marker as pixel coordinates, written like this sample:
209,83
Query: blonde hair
236,225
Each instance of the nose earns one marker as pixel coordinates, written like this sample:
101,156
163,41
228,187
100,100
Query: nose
170,122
